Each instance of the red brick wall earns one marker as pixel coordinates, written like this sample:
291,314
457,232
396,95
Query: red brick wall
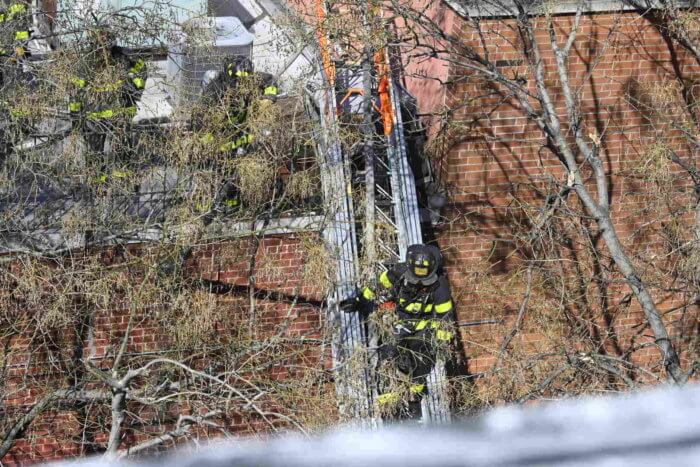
293,332
496,157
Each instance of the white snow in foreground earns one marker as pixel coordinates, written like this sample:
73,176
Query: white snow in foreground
656,428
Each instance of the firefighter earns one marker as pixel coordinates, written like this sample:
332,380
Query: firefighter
237,91
105,94
425,318
15,32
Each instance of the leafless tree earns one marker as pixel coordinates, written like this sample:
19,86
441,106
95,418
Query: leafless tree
108,314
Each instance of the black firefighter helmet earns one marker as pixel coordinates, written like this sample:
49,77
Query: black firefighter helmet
423,263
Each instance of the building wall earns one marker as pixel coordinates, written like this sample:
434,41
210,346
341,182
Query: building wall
424,75
293,331
495,159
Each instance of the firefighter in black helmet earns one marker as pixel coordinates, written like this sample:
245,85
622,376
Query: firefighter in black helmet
425,318
235,92
15,33
104,91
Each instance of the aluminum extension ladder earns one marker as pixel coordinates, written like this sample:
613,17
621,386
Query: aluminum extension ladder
390,202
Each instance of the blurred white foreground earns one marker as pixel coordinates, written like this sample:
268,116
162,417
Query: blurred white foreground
656,428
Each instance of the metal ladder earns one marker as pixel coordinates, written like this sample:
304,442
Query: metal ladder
391,203
349,337
403,213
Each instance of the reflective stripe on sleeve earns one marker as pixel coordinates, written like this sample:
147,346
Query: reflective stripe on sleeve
21,35
270,91
15,9
443,307
368,294
390,398
138,66
120,174
385,281
109,113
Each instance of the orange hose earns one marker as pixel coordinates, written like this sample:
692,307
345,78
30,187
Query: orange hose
386,110
328,65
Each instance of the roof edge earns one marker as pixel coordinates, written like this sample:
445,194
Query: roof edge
502,8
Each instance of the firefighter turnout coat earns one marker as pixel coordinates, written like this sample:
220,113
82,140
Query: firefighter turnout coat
419,307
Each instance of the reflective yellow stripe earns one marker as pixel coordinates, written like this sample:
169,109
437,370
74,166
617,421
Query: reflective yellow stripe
416,307
239,74
443,307
138,66
270,91
16,8
422,324
417,388
368,294
232,203
384,280
110,113
18,113
230,146
443,335
110,87
390,398
120,174
434,324
21,35
81,83
201,207
2,17
245,139
139,83
75,106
